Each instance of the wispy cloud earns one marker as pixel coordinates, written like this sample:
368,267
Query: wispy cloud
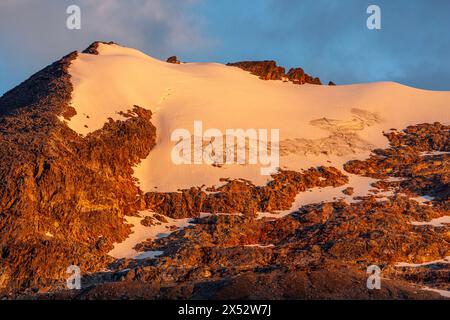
34,33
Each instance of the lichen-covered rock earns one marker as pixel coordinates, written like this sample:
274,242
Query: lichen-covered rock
240,196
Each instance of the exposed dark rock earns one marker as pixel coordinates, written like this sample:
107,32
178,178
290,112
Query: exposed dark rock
426,174
93,48
173,59
242,196
335,282
348,191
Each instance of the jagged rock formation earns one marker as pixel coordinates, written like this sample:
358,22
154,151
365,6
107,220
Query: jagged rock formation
298,76
320,251
415,154
262,284
268,70
93,48
173,59
63,196
242,196
325,248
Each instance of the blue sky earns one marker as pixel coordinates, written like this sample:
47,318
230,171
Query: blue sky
328,38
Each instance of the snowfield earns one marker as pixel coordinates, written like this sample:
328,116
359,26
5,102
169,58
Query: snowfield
316,123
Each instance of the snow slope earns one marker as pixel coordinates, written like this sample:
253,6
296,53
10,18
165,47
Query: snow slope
313,120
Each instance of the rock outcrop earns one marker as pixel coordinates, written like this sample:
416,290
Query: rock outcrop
64,197
268,70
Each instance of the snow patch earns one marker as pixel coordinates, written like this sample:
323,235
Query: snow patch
360,185
260,245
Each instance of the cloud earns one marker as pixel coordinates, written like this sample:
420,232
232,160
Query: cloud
330,39
34,33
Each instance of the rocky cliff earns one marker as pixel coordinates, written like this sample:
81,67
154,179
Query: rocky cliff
64,198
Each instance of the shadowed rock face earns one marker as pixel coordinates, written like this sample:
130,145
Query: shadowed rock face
268,70
93,48
337,282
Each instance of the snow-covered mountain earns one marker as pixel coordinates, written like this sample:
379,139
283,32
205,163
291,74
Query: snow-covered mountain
92,139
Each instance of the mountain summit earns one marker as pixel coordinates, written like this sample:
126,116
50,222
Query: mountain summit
88,180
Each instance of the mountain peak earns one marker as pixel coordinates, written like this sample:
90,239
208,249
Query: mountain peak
93,48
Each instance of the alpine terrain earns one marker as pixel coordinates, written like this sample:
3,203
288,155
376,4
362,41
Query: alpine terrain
351,200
